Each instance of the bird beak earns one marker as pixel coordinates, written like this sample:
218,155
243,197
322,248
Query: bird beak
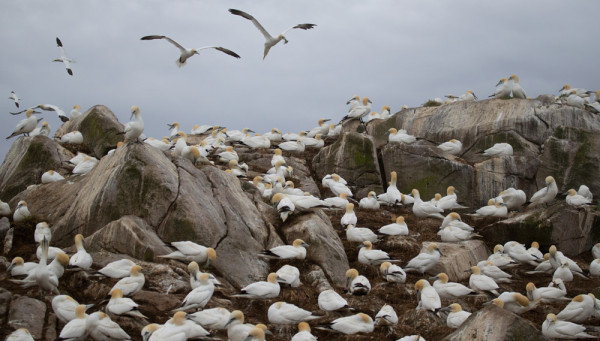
252,131
434,278
500,82
229,322
12,265
305,245
370,101
438,250
445,309
145,337
268,332
327,120
475,96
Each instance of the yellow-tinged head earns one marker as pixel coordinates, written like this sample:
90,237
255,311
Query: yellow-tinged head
498,248
535,245
372,195
256,333
79,241
45,124
29,112
272,278
135,270
193,267
521,299
546,256
344,195
62,258
515,78
400,220
277,198
303,327
455,307
178,318
498,302
450,190
384,266
552,250
80,311
298,243
386,107
212,254
116,293
367,245
432,247
551,318
277,151
366,101
572,192
17,261
491,202
549,180
135,110
454,216
204,277
476,270
443,277
421,284
335,177
578,298
349,208
437,196
351,273
393,131
530,287
366,318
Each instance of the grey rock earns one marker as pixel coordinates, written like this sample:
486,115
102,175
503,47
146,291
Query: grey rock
5,297
458,257
27,312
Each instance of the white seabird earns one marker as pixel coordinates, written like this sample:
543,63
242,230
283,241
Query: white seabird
64,307
357,284
424,260
42,130
329,300
199,296
370,202
453,147
517,90
187,53
51,176
134,129
513,198
457,316
368,255
214,318
269,40
26,125
349,218
120,305
575,199
85,166
449,202
42,230
547,294
303,333
189,251
322,128
360,234
287,313
81,259
450,290
340,201
359,111
386,316
453,219
499,149
425,209
77,328
297,250
117,269
21,212
18,267
469,95
103,328
427,296
502,89
579,310
481,282
359,323
392,272
556,329
15,98
400,136
261,289
131,284
398,228
63,57
21,334
545,194
392,195
289,275
75,112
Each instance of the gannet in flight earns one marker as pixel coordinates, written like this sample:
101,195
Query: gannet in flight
270,41
63,57
187,53
15,98
47,107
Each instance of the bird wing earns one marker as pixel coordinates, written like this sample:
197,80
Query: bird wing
301,26
222,49
254,21
63,55
188,248
166,38
51,107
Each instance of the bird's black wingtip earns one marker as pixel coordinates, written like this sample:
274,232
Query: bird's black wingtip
58,42
70,72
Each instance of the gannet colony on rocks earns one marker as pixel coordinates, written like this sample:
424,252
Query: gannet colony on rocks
336,232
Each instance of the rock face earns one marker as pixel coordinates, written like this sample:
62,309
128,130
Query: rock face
27,160
353,157
27,312
547,139
572,230
458,257
99,127
493,323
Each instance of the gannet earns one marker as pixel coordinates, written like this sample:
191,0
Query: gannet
22,334
481,282
579,310
563,272
349,218
450,290
237,330
74,137
499,258
255,334
303,333
41,275
502,89
513,198
535,250
424,260
52,252
42,230
399,228
329,300
547,294
296,250
436,198
499,149
321,128
545,194
120,305
566,90
370,202
131,284
370,256
269,40
162,145
488,268
58,264
284,205
15,98
77,159
585,192
293,146
26,125
214,318
359,323
201,129
449,202
316,142
518,252
516,302
195,274
117,269
453,219
21,212
289,275
556,329
189,251
425,209
261,289
18,267
360,234
575,100
400,136
544,267
75,112
595,267
334,130
42,130
134,129
76,329
392,195
453,147
50,107
187,53
64,307
257,141
178,328
386,316
411,338
306,201
238,135
51,176
557,257
517,90
328,179
287,313
294,136
63,57
192,153
457,316
575,199
103,328
291,190
357,284
4,209
180,143
199,296
359,111
427,296
81,259
493,209
174,127
337,186
392,272
85,166
469,95
274,135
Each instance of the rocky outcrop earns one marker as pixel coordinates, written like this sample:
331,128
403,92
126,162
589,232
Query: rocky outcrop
495,324
547,139
27,312
99,127
27,160
458,258
353,157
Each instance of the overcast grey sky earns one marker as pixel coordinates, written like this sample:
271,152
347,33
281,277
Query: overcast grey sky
395,52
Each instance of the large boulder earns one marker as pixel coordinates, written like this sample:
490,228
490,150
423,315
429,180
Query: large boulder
353,157
572,230
27,312
26,161
458,258
493,323
99,127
